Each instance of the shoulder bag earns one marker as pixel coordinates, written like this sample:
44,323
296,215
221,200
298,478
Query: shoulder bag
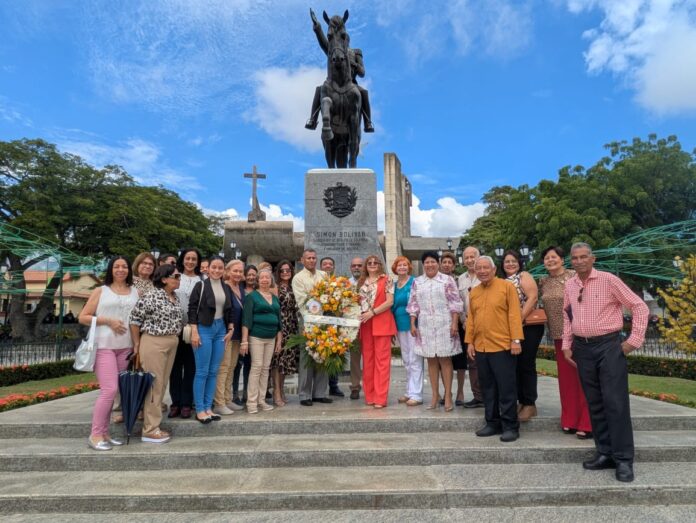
188,330
87,351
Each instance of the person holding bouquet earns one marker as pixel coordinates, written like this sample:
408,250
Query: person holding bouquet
377,330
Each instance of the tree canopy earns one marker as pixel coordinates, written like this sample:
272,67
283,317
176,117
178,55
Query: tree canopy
95,212
637,186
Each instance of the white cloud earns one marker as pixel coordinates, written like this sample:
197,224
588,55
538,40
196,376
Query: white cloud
274,213
648,44
283,103
500,28
10,114
139,158
449,218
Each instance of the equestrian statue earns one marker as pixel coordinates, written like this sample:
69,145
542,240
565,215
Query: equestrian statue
341,101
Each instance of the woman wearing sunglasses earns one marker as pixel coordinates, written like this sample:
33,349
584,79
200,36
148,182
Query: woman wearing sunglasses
155,324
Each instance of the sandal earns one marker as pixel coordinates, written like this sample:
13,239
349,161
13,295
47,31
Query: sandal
567,430
117,418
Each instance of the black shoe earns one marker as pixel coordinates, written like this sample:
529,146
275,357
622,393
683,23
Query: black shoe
459,403
510,435
368,127
355,394
473,404
442,401
337,392
488,430
238,402
311,124
205,420
599,462
269,395
215,417
587,435
624,471
306,403
322,400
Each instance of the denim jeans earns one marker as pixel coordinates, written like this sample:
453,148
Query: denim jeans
208,356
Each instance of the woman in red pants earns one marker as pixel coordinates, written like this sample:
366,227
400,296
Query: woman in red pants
377,330
575,417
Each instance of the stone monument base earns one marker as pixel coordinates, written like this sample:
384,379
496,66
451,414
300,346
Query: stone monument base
341,215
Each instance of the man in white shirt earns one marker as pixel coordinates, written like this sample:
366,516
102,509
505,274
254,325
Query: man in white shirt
465,283
312,384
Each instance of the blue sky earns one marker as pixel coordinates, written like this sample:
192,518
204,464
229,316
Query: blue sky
469,94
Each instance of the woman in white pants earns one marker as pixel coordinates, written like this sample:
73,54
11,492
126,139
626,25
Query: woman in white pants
412,362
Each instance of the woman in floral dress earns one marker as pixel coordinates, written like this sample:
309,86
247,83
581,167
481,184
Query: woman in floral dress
286,361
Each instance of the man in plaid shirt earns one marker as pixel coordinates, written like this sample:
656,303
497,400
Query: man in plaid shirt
593,318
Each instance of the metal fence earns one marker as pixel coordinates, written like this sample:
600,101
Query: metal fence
29,353
654,345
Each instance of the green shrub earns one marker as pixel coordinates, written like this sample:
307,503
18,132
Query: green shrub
14,374
644,365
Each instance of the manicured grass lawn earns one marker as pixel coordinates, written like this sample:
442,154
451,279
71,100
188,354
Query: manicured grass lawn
685,390
30,387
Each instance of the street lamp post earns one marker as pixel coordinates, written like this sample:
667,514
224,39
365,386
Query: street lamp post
155,253
499,250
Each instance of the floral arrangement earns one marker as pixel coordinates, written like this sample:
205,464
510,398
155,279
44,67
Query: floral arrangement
331,324
15,401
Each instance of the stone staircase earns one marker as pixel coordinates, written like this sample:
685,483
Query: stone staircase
345,462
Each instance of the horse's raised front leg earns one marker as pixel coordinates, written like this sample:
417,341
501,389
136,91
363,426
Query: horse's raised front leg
326,132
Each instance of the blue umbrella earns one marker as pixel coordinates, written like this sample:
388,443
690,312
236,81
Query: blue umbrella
133,385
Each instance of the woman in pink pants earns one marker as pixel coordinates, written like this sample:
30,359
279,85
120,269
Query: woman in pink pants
111,305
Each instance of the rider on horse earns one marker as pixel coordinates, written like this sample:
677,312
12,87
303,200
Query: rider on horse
357,69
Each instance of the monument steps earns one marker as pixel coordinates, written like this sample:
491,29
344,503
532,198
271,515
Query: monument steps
347,488
353,449
323,421
298,463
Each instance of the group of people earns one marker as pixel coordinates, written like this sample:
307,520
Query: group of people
202,326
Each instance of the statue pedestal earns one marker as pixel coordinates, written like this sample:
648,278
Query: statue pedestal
341,215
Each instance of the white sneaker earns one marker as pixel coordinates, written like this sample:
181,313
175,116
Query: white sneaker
233,406
265,406
156,436
222,410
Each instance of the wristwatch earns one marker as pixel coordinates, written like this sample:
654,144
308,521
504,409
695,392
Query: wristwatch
516,341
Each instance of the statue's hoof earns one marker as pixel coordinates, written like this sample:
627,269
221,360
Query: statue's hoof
369,128
327,134
311,124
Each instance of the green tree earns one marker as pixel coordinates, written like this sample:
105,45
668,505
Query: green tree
90,211
639,185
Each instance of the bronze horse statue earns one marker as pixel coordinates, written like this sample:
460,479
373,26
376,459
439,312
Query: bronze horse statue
341,101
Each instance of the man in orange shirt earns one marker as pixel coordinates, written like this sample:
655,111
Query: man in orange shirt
494,333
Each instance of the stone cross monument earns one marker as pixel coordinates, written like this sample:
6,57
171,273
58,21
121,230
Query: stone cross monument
255,214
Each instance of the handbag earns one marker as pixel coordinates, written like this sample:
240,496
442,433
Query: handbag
187,331
536,317
86,353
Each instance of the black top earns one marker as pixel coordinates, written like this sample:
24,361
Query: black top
205,314
237,308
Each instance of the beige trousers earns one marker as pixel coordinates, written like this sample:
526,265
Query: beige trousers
223,388
156,356
261,350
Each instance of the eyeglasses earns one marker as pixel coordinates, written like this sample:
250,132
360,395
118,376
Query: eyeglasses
356,265
373,263
176,276
580,295
285,270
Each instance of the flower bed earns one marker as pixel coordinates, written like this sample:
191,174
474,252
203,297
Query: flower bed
15,401
14,374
